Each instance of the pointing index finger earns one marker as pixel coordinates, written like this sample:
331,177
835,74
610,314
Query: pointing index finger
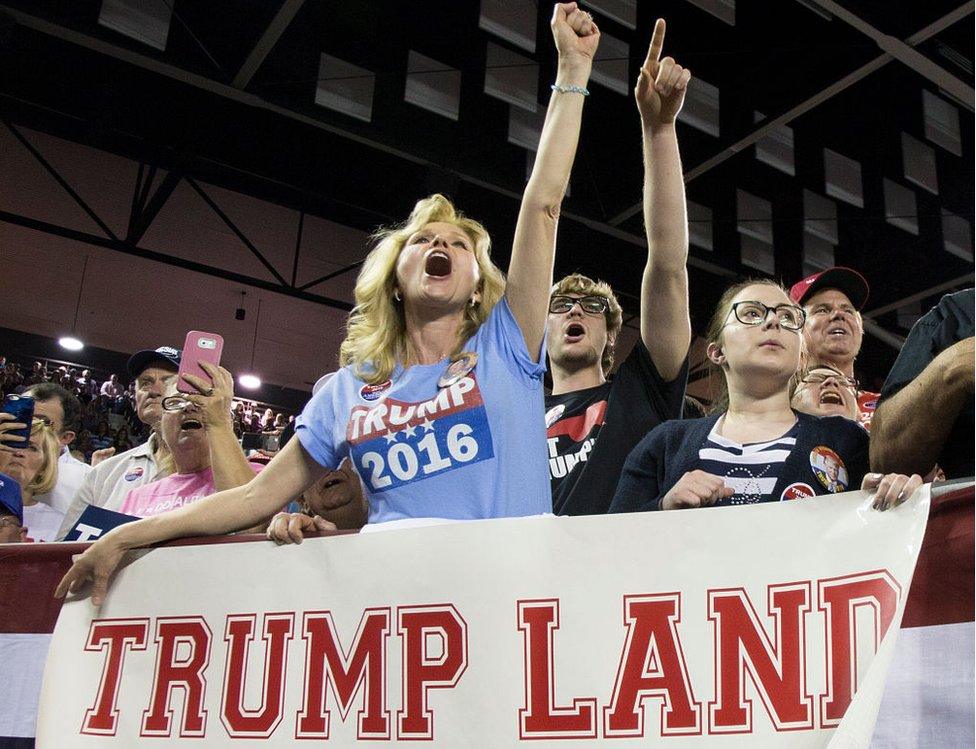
657,43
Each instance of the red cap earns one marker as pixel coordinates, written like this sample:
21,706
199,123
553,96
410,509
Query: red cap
849,281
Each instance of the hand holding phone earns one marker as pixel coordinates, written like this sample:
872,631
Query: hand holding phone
198,347
16,416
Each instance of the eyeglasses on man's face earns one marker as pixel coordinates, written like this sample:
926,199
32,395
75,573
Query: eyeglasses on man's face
788,316
176,403
591,305
819,377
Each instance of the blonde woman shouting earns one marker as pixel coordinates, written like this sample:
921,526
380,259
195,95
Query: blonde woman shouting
439,402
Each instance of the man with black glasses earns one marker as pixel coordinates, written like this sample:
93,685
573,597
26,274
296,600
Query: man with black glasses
593,423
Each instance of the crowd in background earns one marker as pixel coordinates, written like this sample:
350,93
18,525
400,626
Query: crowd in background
108,417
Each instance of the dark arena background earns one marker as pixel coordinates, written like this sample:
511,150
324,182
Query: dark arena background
223,168
161,157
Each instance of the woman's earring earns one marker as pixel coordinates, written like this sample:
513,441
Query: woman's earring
396,295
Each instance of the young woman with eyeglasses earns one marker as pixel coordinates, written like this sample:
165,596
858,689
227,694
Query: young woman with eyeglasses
756,447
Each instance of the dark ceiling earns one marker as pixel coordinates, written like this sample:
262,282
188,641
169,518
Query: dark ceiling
192,109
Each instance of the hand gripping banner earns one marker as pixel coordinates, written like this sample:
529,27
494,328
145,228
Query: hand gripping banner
768,625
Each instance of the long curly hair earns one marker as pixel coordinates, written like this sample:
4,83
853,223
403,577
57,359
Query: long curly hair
376,332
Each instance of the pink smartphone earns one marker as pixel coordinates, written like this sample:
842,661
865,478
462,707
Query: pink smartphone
198,347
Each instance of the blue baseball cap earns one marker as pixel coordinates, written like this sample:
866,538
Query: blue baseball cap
10,501
166,355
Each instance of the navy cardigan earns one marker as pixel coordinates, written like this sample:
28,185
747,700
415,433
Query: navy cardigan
670,451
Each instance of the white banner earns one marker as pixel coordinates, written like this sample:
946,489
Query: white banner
745,625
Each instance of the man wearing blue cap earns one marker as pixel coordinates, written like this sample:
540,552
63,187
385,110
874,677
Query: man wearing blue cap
110,481
12,530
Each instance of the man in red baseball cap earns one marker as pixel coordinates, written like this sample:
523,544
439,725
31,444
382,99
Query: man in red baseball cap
833,331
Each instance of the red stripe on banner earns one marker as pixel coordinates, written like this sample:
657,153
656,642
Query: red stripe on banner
29,573
942,588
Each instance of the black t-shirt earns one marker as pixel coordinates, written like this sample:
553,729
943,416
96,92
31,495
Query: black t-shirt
947,323
590,432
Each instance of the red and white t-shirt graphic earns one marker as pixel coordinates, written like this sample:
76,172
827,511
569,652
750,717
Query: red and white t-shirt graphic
571,439
396,443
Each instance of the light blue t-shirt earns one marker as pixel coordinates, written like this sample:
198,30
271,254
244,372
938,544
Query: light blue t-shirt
475,449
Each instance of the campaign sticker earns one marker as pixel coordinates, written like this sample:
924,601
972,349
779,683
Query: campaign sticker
133,474
799,490
829,469
374,392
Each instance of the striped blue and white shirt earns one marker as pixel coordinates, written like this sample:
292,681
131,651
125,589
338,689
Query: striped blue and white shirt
750,470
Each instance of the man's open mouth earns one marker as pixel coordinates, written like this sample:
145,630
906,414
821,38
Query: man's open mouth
830,396
191,424
574,332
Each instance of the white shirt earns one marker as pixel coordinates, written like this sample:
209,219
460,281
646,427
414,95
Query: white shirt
71,475
42,522
108,483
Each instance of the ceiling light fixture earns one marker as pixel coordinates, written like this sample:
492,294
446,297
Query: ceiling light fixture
72,342
250,380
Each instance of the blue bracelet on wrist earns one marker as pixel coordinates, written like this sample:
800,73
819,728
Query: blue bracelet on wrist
569,89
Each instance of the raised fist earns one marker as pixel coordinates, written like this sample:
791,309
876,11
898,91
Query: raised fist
575,33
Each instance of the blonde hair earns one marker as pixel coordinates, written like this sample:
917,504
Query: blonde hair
376,331
45,479
714,334
577,283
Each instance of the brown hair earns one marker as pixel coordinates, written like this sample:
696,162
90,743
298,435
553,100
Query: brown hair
717,324
577,283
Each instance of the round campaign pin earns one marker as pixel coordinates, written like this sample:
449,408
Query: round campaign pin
799,490
829,469
133,474
373,392
457,369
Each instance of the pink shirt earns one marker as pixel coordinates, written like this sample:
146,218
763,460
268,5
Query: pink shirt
171,493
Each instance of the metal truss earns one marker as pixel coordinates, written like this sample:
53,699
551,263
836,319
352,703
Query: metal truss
147,202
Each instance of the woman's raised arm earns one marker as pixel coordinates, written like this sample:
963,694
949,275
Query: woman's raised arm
530,270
